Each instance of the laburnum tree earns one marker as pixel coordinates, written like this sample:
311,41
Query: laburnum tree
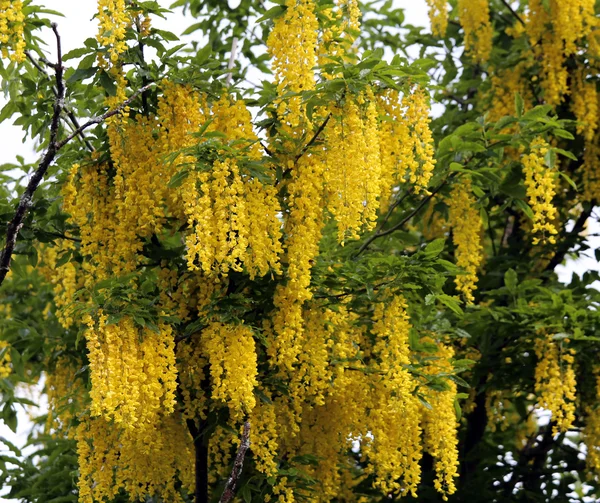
307,288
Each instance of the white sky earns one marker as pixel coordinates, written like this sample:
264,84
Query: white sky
78,25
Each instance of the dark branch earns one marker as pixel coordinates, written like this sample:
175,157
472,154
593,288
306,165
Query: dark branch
70,114
314,138
101,118
565,245
26,198
380,233
513,12
238,464
54,146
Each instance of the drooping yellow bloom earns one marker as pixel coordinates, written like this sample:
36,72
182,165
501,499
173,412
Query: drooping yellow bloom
66,395
12,19
233,217
474,17
555,384
591,431
293,45
133,372
504,84
395,451
112,459
540,182
231,355
5,359
584,104
353,169
406,142
440,426
438,16
466,234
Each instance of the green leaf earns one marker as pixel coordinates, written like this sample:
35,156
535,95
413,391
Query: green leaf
511,280
519,106
434,248
178,178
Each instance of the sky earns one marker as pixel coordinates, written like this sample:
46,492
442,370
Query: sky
78,24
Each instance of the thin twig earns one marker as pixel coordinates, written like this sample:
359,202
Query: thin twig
104,116
314,138
231,63
238,464
380,233
69,112
26,198
513,12
53,147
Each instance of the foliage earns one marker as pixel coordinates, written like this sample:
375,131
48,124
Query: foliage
371,292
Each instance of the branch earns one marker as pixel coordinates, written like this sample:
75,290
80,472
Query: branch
314,138
70,114
513,12
54,146
26,198
238,464
565,245
101,118
380,233
234,44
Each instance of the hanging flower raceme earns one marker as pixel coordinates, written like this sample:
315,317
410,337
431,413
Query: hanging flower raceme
466,235
540,181
591,430
233,217
133,372
555,383
293,46
406,142
353,173
231,354
440,426
5,359
474,17
438,16
395,450
12,21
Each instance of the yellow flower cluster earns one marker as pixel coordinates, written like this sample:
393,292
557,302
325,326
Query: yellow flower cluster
65,392
231,355
293,46
353,162
466,235
5,359
585,105
555,32
12,22
540,182
406,142
555,384
440,426
504,84
474,17
233,218
133,372
113,21
438,16
395,450
591,431
158,463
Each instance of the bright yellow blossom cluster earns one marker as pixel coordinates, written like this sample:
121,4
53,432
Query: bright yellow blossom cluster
12,20
438,16
133,372
466,234
5,359
440,426
555,383
474,17
154,464
231,355
540,182
591,431
555,31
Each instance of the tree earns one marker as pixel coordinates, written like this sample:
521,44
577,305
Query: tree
305,289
